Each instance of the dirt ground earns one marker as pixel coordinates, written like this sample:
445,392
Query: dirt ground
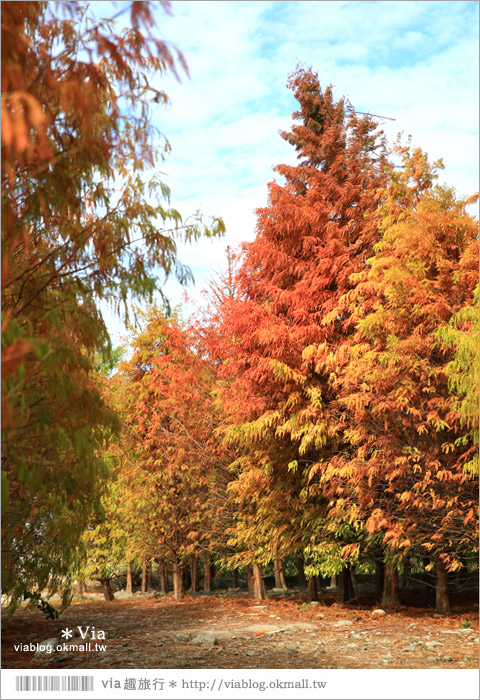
159,632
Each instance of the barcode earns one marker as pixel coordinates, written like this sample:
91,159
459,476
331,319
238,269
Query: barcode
29,683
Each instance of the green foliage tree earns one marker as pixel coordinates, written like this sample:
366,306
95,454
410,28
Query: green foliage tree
462,336
80,226
105,540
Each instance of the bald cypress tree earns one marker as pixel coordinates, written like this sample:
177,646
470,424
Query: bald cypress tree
281,332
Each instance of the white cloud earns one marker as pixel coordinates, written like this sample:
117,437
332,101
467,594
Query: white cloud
414,61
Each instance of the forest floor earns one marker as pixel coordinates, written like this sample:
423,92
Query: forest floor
155,631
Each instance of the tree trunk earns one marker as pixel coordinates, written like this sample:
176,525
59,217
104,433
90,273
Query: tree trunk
302,581
278,570
390,586
144,577
149,576
333,581
107,589
259,592
250,580
178,590
312,591
129,588
379,576
163,577
194,573
442,598
207,574
235,578
345,586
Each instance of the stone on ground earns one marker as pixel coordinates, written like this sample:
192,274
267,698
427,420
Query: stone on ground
204,638
182,636
342,623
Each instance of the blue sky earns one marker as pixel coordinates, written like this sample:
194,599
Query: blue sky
416,62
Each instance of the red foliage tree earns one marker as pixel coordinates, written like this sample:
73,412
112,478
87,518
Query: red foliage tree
314,233
177,480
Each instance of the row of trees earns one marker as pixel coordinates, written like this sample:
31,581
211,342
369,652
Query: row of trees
326,405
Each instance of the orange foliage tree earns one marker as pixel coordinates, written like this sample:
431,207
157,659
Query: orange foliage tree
406,477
